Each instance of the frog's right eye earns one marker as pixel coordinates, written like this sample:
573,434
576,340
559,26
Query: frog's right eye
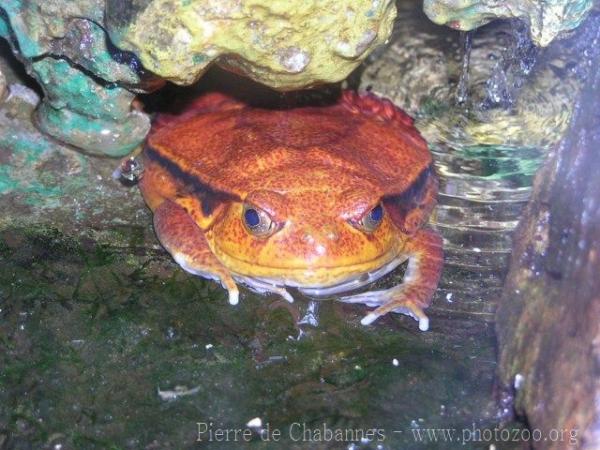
257,221
371,220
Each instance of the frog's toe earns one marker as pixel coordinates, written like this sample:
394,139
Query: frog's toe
372,298
408,308
286,295
390,300
282,292
265,287
234,296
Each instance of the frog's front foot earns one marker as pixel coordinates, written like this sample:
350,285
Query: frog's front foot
396,296
425,259
186,242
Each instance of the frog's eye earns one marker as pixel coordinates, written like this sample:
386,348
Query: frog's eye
257,221
370,221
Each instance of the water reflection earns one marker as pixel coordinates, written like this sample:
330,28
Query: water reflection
491,105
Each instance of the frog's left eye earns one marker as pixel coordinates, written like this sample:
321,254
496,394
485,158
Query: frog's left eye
370,221
257,221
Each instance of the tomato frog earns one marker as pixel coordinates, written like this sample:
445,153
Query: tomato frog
324,199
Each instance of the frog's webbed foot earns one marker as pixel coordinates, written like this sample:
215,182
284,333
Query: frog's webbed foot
191,265
185,241
425,259
396,296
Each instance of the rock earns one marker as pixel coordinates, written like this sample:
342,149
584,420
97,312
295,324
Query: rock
3,89
51,185
547,322
516,95
81,111
85,103
285,44
546,18
89,84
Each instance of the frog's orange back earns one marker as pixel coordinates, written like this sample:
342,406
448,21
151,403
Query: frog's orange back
238,148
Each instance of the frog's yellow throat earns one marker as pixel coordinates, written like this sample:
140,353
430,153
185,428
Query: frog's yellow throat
312,281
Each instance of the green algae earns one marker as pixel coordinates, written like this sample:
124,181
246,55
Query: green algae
67,51
498,162
88,337
3,28
29,153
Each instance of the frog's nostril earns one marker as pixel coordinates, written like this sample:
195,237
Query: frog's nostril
316,243
308,238
332,236
329,233
320,238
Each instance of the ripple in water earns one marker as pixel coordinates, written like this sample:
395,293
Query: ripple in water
482,192
488,146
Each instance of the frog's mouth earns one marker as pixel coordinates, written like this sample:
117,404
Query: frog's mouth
352,283
277,285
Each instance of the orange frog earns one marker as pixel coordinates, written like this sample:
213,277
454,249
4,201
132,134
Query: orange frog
323,199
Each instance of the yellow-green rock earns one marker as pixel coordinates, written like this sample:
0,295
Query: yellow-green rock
420,70
285,44
546,18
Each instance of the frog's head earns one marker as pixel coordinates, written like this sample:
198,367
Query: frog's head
305,239
323,236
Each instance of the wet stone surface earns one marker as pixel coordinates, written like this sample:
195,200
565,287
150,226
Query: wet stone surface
548,326
94,338
546,20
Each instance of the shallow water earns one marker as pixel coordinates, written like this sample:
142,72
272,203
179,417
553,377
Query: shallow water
491,106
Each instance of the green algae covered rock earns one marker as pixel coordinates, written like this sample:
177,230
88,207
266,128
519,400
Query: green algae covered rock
546,18
64,47
91,57
284,44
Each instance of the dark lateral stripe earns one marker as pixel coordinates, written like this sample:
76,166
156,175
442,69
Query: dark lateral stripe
400,206
414,191
209,197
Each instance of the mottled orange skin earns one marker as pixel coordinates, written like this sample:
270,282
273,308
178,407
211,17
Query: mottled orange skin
315,171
